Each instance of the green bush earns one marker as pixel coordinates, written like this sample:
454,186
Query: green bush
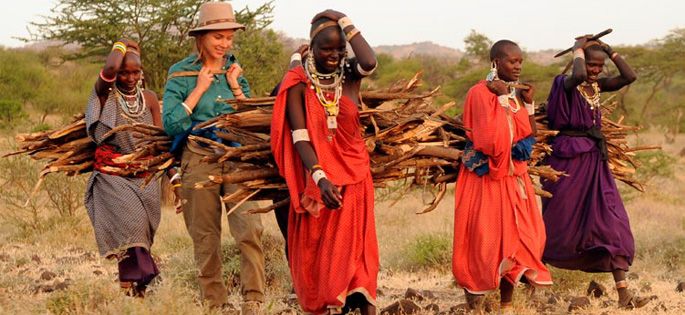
654,163
11,112
429,251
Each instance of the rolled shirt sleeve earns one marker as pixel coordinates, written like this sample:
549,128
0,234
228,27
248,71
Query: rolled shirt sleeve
176,120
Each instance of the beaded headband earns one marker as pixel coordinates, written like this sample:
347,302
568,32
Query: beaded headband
320,28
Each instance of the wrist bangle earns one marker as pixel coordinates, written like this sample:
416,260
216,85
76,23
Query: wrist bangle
120,47
296,57
187,108
175,177
530,108
317,167
579,53
177,185
344,22
318,175
354,32
102,77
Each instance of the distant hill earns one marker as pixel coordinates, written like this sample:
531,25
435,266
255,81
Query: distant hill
543,57
396,51
421,48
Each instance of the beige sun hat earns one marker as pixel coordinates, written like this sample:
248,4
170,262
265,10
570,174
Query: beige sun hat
216,16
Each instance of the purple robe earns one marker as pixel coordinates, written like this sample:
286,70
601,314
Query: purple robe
586,222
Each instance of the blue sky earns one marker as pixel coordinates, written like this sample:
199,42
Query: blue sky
535,24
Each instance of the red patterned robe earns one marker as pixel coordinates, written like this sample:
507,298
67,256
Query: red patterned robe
498,227
332,253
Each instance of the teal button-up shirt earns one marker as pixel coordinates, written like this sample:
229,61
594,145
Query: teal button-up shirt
176,120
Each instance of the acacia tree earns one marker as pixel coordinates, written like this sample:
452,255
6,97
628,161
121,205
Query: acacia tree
478,46
161,28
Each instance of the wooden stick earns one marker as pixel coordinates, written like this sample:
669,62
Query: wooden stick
595,37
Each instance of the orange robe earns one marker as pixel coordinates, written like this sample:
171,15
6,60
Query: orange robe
332,253
498,227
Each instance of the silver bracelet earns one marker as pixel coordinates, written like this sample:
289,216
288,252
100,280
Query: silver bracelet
187,108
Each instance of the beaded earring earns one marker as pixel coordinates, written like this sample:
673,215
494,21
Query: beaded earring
492,75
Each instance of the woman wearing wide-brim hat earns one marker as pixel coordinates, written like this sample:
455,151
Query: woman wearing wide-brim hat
193,94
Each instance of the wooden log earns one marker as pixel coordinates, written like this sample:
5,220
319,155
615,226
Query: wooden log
273,206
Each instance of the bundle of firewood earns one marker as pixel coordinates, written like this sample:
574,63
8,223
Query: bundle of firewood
69,150
407,137
621,155
622,163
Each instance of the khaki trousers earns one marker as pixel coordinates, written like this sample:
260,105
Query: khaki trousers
202,212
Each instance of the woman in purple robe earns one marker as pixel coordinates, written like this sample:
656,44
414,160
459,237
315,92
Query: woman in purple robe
586,222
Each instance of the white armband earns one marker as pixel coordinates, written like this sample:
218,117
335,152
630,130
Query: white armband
344,22
296,57
318,175
364,72
530,108
175,177
300,135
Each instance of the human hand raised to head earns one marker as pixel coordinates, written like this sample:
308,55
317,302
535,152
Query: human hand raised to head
529,94
581,41
302,50
607,49
498,87
130,44
329,14
330,195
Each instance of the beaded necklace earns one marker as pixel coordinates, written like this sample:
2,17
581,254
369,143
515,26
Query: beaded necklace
324,91
133,105
512,95
592,100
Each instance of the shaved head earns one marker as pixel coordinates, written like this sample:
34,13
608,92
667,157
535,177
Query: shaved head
500,48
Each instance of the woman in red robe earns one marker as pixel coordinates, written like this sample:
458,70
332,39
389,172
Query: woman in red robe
317,144
499,235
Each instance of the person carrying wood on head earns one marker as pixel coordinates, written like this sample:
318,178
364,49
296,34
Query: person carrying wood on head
124,212
499,235
193,94
587,224
318,147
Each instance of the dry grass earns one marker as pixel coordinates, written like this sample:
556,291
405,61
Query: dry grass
86,284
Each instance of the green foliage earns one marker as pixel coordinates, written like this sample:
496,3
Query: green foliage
161,28
41,127
478,46
654,163
21,74
10,112
259,50
429,251
58,201
277,271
